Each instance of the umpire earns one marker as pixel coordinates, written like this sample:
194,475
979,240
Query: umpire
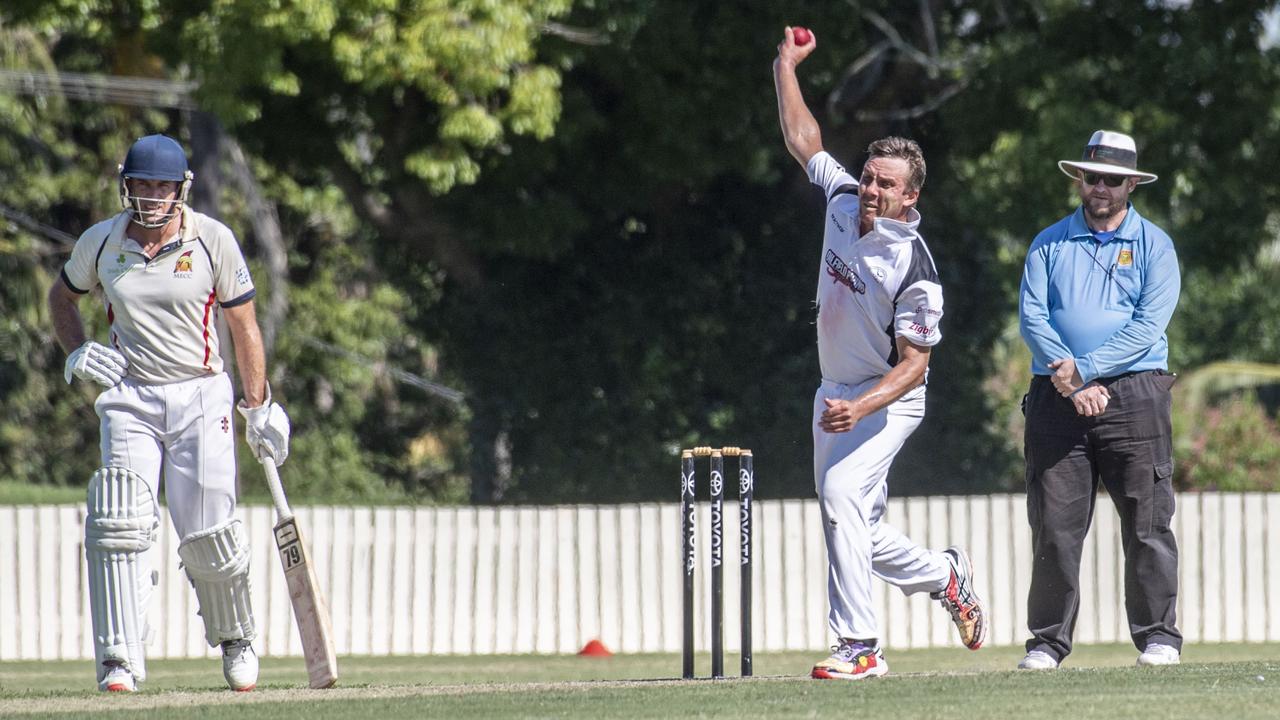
1098,290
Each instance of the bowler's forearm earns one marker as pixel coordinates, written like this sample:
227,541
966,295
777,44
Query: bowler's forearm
800,129
901,379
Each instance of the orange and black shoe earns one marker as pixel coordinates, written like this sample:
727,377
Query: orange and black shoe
962,601
851,660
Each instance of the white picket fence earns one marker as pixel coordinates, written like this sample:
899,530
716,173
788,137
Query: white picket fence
548,579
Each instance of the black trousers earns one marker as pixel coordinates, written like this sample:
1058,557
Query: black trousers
1129,449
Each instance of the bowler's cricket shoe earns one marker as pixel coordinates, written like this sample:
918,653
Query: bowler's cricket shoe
240,665
851,660
962,601
118,678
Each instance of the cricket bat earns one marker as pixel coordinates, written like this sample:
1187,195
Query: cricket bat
309,608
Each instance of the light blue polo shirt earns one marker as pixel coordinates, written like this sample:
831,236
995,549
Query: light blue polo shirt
1105,304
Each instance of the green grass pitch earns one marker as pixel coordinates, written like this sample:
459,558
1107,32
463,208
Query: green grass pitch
1215,681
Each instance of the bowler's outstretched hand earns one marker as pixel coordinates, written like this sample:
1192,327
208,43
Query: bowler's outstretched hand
789,51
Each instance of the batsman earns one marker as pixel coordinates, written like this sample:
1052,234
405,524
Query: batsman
165,410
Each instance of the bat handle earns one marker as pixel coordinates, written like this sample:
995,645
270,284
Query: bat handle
283,511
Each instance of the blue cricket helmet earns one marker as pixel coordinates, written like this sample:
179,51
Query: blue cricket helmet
155,157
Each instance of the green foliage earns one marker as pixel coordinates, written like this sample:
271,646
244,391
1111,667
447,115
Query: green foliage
604,243
1225,433
464,73
1232,446
1004,389
15,492
359,434
1226,314
49,171
1212,383
57,161
355,424
325,466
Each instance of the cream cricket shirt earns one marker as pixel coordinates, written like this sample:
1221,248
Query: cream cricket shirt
871,288
163,310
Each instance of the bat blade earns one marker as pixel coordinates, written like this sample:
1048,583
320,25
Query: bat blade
309,607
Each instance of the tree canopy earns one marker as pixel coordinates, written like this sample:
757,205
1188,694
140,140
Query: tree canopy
581,214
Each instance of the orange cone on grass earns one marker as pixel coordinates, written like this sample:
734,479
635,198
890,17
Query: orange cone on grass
595,648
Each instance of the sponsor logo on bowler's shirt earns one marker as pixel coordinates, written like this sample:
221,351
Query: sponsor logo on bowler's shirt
843,274
925,321
182,268
1125,259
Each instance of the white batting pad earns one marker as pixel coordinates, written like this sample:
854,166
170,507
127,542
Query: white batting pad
217,561
120,526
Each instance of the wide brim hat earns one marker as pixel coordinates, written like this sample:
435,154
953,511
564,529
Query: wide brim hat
1108,153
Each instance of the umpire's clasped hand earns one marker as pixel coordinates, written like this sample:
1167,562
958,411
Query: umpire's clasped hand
1066,378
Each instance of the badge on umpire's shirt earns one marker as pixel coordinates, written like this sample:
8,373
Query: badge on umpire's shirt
1125,259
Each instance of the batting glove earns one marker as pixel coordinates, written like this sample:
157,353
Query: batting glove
266,429
95,362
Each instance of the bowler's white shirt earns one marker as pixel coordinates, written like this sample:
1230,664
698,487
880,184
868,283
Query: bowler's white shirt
871,288
163,311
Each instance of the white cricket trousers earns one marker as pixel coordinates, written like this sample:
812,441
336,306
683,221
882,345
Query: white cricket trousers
851,473
181,432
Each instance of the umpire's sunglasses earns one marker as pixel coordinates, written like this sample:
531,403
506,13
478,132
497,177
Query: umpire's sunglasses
1091,179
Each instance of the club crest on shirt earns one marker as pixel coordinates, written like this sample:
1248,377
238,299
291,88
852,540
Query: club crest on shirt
840,272
182,268
1125,259
119,268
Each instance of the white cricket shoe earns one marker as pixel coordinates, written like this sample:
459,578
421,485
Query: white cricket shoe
118,678
1038,660
1157,654
240,665
851,660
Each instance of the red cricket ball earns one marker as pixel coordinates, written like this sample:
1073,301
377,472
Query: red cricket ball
802,36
